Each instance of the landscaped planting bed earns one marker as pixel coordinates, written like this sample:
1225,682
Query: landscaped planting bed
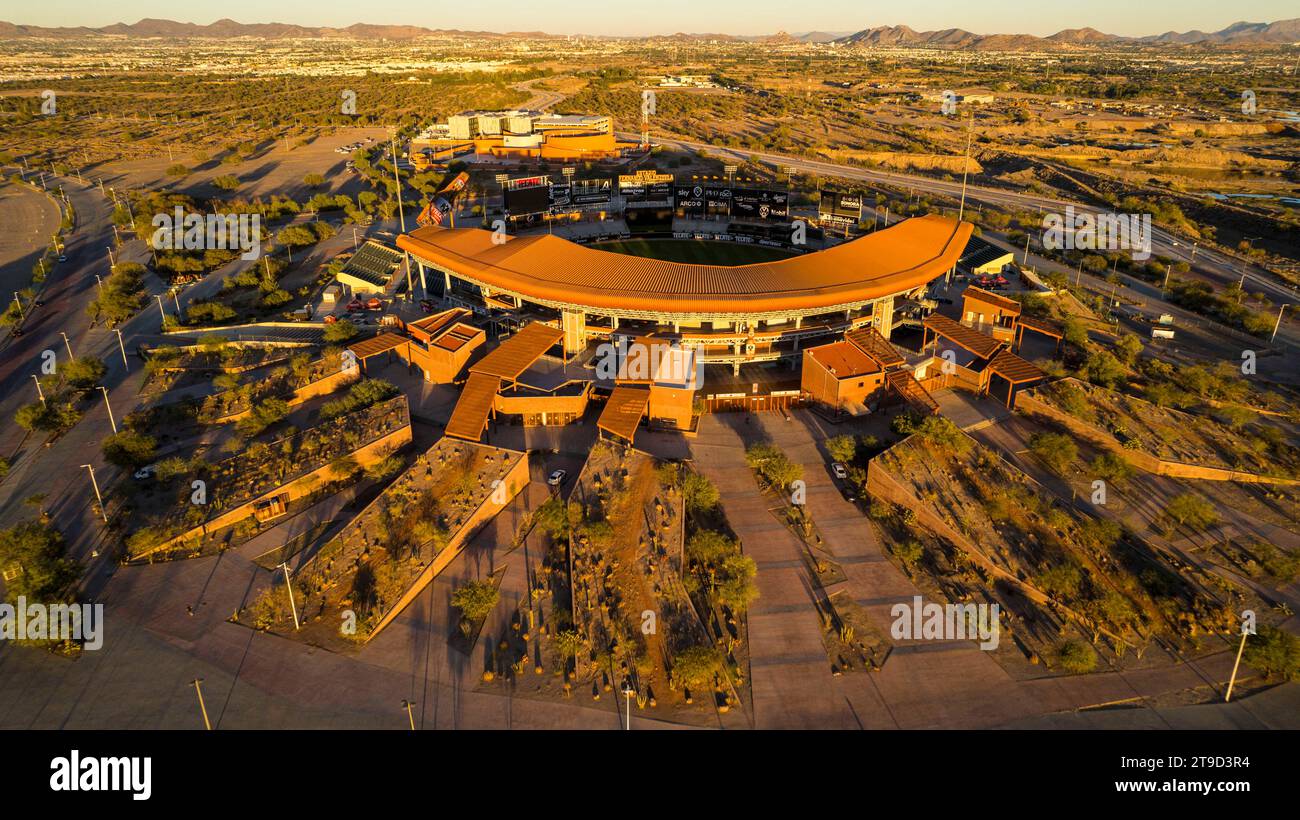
281,382
261,468
171,368
1171,435
634,619
986,531
360,575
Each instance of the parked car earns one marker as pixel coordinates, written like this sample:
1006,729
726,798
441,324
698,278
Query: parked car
331,319
427,305
356,305
375,303
841,472
63,257
145,473
556,478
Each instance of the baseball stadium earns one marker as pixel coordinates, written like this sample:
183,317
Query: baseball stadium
730,315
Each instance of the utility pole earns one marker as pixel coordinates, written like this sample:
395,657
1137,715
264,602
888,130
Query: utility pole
292,605
206,723
111,422
410,716
99,498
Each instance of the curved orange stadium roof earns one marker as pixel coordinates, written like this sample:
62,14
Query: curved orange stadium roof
550,269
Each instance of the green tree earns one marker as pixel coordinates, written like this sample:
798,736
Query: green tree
842,448
695,666
1104,369
1056,450
35,555
475,600
83,373
340,331
1275,652
1076,657
1191,510
1111,467
1128,349
129,449
699,492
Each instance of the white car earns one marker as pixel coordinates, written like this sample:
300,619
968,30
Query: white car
556,478
841,472
145,473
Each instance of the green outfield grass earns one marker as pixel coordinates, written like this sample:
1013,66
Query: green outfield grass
696,251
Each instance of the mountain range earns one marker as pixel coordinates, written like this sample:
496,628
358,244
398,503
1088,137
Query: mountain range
1238,34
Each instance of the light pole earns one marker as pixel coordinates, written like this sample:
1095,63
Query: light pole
410,716
1278,323
68,345
99,284
628,692
1232,681
970,128
204,709
161,311
112,263
39,394
19,303
111,422
98,498
122,347
292,605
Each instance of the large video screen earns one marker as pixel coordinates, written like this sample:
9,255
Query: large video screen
840,207
524,201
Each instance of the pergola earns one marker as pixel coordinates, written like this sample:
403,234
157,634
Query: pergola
1015,371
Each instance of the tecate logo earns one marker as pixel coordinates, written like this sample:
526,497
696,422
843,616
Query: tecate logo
75,773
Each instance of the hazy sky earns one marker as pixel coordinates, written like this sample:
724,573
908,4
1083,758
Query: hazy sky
668,16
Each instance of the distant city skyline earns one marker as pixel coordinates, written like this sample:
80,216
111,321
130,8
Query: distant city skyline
737,17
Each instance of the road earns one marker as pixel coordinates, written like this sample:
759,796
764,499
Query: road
31,218
541,100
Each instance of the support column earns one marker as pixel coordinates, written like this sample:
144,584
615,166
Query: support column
424,285
882,315
446,283
574,325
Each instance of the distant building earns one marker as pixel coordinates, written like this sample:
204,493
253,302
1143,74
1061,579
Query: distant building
517,135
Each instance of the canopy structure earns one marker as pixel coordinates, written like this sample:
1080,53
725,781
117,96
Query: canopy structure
554,271
470,416
624,410
516,354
